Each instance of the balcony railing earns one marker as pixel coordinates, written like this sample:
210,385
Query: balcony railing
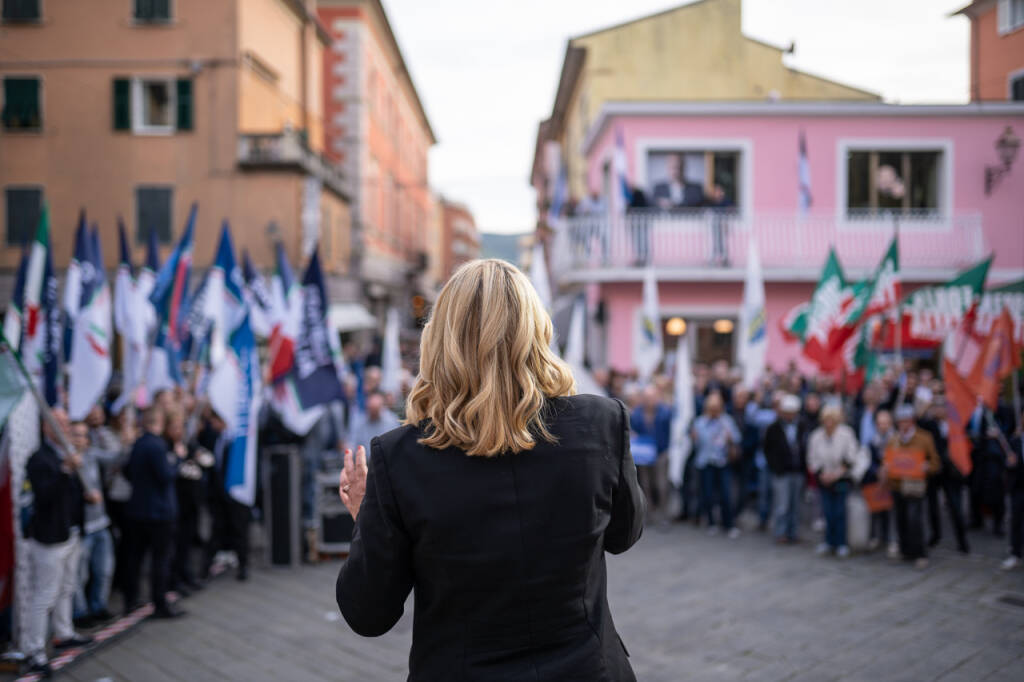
288,149
707,240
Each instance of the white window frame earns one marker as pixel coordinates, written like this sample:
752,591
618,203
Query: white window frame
1004,17
744,146
1010,78
943,219
139,126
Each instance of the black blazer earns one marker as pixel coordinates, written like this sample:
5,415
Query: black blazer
152,471
779,457
505,554
58,504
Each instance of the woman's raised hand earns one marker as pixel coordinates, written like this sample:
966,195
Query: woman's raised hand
352,485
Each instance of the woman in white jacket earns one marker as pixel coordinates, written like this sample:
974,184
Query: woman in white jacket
833,455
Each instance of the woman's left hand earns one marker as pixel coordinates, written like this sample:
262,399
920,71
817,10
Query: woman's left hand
352,485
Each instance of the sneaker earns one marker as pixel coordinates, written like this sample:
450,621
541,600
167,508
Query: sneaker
39,666
734,533
843,552
712,530
1009,563
893,552
76,640
921,564
818,526
873,544
821,549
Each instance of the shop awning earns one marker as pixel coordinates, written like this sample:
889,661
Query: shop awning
348,317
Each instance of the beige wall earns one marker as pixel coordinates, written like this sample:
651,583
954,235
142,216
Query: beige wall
82,162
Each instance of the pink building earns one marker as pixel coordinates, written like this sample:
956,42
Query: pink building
744,158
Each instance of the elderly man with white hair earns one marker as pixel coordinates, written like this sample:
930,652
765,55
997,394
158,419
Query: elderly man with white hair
833,454
784,456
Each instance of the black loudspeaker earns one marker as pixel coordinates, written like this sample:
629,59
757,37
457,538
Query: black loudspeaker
334,523
281,504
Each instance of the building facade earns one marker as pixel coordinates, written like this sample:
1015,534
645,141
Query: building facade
997,49
378,130
137,110
748,155
695,52
460,240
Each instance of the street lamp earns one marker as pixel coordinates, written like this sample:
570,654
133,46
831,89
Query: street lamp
1007,146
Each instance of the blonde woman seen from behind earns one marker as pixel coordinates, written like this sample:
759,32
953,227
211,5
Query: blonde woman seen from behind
495,502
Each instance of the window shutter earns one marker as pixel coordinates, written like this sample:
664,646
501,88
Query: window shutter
161,9
184,104
1003,16
122,104
143,9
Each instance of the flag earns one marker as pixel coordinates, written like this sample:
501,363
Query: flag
679,442
124,288
222,301
575,349
558,197
880,294
79,269
622,194
647,347
794,323
41,344
539,275
170,301
803,173
313,378
390,357
931,314
90,367
824,316
235,395
1009,297
129,321
998,359
287,298
12,381
13,315
753,337
257,298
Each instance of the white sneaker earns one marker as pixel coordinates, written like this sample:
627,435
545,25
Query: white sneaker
821,549
818,525
712,530
1009,563
843,552
734,533
894,551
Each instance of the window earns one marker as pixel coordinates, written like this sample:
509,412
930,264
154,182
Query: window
1017,86
23,208
21,10
892,181
693,179
153,212
1010,14
152,10
152,105
22,110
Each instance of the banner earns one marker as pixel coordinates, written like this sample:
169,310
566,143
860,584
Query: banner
257,298
41,343
90,368
822,322
679,443
993,301
647,344
752,348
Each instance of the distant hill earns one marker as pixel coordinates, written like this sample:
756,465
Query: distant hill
504,246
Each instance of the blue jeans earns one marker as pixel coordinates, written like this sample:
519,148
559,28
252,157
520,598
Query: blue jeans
715,479
95,571
764,491
833,506
786,490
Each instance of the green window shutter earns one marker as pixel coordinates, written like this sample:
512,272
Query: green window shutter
184,104
21,104
144,9
122,104
161,10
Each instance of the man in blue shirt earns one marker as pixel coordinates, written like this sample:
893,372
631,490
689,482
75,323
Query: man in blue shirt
651,423
716,439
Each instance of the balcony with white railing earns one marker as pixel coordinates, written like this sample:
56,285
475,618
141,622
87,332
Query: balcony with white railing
712,244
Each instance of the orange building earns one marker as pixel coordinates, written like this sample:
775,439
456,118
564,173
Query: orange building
138,109
997,49
460,240
376,127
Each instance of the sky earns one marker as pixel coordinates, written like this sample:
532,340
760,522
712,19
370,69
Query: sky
487,71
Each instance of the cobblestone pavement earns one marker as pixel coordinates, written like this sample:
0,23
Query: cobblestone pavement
689,607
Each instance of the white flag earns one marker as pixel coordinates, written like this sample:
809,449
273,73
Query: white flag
647,347
391,357
539,275
679,444
753,341
574,350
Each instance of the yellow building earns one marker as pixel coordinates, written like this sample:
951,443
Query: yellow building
138,109
693,52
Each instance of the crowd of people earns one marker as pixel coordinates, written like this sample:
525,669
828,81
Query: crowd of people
764,449
105,493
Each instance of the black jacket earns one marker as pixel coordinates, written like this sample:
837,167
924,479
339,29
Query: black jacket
58,505
777,453
505,554
152,473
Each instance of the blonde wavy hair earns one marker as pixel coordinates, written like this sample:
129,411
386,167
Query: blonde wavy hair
486,364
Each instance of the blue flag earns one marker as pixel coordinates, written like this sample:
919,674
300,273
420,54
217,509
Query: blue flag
78,271
240,373
313,373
